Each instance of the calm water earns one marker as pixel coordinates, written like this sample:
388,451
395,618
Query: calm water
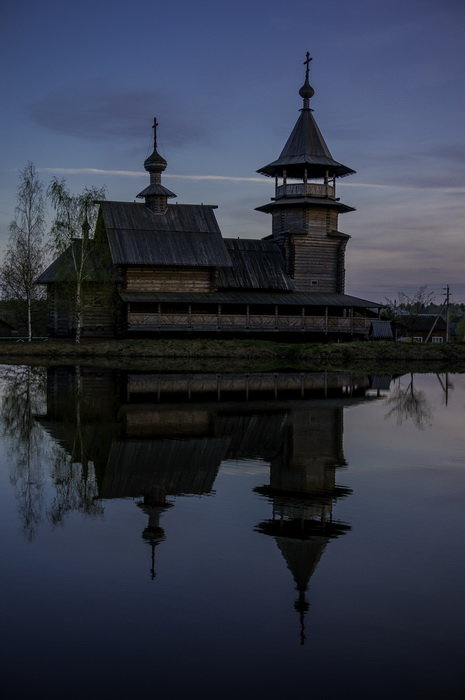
225,536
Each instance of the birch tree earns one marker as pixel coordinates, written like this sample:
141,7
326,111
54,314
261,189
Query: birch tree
75,218
25,253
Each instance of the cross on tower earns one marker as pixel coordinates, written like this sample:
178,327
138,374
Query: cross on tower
154,127
307,64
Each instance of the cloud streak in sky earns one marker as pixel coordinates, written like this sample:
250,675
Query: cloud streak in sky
231,178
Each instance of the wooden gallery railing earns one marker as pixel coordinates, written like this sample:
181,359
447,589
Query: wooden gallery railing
139,322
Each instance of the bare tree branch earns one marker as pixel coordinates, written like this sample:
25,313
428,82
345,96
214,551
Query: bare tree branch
25,253
75,217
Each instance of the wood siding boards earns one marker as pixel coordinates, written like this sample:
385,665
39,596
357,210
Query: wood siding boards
315,262
168,279
319,221
99,311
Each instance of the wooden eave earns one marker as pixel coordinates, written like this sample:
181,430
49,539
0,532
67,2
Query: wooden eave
308,202
250,297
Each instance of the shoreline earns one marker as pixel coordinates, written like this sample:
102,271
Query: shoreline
231,355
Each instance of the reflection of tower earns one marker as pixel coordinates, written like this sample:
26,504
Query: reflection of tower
153,505
302,490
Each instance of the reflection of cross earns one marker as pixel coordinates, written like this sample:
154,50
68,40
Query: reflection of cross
154,127
307,64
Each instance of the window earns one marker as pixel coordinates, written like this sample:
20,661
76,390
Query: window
314,283
437,339
417,339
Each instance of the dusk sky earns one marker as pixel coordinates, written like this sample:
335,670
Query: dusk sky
81,83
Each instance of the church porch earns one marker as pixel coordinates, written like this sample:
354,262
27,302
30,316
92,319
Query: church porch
242,313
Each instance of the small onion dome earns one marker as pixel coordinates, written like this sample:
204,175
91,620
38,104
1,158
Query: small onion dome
306,91
155,163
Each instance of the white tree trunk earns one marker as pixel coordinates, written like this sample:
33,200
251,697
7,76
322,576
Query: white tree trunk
29,319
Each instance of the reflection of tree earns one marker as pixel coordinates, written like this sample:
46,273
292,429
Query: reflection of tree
75,487
408,403
23,396
446,386
73,477
75,484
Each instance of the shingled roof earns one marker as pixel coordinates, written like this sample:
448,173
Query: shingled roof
256,264
306,149
63,268
235,296
138,236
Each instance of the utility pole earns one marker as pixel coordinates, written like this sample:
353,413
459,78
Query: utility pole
447,302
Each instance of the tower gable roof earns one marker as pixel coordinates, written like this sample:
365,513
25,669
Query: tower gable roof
306,149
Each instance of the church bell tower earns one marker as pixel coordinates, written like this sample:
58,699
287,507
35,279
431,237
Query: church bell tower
305,208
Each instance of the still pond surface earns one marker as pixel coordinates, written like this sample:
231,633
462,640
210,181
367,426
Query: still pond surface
223,536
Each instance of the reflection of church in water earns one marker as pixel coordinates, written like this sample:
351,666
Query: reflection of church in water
152,436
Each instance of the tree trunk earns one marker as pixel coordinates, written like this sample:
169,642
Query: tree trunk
78,311
29,319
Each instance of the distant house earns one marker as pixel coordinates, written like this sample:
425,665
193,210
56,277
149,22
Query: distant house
172,272
421,327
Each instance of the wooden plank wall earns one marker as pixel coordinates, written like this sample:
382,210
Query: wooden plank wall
99,313
60,320
316,221
315,259
169,279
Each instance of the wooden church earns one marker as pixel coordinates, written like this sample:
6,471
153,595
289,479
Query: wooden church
163,268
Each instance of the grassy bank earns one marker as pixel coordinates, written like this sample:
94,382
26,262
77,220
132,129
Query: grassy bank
209,354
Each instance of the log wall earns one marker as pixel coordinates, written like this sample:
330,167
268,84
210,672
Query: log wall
169,279
98,312
318,221
317,264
